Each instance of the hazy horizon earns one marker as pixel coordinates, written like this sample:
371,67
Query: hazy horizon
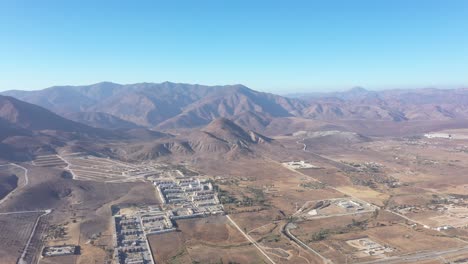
274,47
289,91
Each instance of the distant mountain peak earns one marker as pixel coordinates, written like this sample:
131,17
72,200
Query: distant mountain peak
358,89
106,83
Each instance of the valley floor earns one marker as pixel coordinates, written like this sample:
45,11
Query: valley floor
369,201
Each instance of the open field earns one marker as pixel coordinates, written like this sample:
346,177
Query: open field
15,232
365,189
204,240
339,239
261,196
365,194
415,178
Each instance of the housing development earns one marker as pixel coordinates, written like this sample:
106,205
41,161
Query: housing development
181,197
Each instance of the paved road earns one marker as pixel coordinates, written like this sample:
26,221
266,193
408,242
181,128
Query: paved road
250,239
286,229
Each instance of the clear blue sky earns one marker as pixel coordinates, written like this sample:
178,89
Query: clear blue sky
276,46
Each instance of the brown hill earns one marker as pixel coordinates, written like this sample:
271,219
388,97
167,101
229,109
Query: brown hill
100,120
228,131
32,117
221,138
165,105
234,102
169,106
393,105
7,130
27,130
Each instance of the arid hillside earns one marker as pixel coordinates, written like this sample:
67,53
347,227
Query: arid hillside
166,106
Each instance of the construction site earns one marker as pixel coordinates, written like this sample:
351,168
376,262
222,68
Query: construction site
91,168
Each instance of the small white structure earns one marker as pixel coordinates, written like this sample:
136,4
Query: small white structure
445,227
299,165
313,212
438,135
59,250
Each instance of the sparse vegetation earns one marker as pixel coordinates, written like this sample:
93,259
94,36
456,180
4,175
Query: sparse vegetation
313,185
56,232
324,233
320,235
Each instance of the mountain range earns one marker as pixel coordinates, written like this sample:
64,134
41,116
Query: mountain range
167,106
27,130
161,106
146,120
220,138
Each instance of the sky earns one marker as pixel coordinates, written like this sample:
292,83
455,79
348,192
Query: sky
275,46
